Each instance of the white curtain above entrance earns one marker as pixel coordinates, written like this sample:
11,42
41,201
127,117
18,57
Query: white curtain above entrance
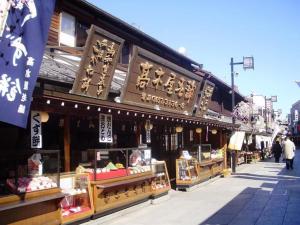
236,140
266,139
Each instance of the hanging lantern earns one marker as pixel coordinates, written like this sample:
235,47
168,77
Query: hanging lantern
178,129
44,117
199,130
148,125
214,131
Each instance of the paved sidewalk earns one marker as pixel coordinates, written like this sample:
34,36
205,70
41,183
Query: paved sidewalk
263,193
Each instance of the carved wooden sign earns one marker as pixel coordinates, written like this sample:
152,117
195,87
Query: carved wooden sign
98,64
205,98
156,83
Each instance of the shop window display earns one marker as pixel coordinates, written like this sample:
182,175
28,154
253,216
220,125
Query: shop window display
187,169
119,177
30,193
197,165
34,171
77,204
114,163
161,183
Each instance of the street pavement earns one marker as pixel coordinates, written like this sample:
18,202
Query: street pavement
262,193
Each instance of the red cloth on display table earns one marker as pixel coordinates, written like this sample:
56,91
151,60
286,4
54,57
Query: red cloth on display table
109,175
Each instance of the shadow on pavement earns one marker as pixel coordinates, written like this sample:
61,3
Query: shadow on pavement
275,202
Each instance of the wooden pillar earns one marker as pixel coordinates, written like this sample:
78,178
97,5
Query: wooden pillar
224,146
67,143
220,132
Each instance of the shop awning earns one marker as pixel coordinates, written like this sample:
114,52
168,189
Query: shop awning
236,140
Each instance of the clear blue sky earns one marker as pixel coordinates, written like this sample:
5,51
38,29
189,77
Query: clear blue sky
214,31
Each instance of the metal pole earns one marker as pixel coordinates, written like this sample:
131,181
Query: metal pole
266,119
233,155
232,89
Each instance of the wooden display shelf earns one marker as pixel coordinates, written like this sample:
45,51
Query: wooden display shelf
33,208
160,191
87,203
220,160
206,163
78,216
205,174
218,167
13,198
112,195
161,180
123,178
124,182
187,183
205,170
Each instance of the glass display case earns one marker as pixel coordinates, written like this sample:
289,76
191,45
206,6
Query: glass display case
204,164
119,177
195,152
78,202
217,153
205,152
114,163
35,170
30,192
161,182
187,172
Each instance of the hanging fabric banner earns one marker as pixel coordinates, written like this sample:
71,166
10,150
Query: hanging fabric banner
236,140
105,128
22,45
36,130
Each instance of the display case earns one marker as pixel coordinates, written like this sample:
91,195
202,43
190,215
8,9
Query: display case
187,172
204,164
205,152
78,202
161,182
119,177
195,152
217,153
32,189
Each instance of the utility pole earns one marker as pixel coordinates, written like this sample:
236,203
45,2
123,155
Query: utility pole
248,63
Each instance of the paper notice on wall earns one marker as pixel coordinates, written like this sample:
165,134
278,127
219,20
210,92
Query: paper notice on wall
36,130
105,128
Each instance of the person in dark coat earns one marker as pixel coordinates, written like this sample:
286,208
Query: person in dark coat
277,151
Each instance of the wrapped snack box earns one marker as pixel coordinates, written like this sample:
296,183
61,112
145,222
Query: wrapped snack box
35,166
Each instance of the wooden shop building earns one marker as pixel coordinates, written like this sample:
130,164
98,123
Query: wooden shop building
111,93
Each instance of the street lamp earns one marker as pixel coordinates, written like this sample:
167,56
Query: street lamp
248,63
272,99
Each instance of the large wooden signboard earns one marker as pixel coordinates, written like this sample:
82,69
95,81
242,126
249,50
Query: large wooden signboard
205,98
156,83
98,64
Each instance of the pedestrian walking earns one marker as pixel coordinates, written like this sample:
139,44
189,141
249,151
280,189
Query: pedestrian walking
289,152
262,148
277,151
